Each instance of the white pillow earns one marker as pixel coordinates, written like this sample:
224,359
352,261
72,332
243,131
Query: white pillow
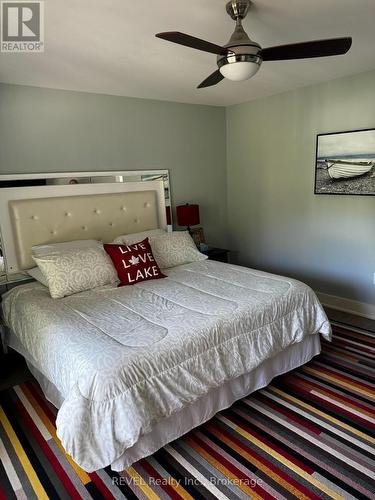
130,239
175,249
37,274
51,248
76,270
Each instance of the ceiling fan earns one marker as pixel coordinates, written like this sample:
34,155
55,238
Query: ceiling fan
241,58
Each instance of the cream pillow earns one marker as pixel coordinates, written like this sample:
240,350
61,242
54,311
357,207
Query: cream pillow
175,249
130,239
55,248
76,270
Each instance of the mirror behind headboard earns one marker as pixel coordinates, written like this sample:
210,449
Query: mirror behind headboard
72,179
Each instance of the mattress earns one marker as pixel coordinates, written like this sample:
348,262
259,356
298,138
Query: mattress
125,359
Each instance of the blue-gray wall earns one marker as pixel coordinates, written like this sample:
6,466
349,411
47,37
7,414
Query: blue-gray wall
275,220
45,130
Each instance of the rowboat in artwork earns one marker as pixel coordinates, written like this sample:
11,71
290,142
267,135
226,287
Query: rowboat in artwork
340,169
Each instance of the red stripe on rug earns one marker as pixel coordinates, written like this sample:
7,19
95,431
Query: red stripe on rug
277,471
340,363
154,474
42,402
287,413
107,495
62,475
343,378
353,334
328,404
249,429
342,354
288,380
245,478
341,342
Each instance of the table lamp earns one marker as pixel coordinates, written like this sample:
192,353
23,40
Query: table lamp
188,215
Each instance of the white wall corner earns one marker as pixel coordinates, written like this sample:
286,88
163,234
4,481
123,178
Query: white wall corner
347,305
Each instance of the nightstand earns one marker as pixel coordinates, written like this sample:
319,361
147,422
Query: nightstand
218,254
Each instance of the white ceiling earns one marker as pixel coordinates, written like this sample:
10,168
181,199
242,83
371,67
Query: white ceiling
109,47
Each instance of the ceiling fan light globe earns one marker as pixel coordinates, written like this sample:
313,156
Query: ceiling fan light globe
240,71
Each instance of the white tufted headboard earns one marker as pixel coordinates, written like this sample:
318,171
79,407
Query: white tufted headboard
67,213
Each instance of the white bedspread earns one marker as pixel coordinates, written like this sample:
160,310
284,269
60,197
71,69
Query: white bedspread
125,358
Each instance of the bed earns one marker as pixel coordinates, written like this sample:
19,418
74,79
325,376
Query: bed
136,367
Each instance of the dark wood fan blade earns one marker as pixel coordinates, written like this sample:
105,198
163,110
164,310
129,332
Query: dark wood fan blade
192,42
213,79
306,50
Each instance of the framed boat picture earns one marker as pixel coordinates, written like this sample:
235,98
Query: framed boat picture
345,163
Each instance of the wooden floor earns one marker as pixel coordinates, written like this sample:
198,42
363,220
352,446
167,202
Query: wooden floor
351,319
14,370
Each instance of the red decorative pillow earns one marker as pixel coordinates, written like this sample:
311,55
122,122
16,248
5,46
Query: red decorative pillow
134,263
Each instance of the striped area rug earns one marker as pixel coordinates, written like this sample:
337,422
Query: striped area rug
310,434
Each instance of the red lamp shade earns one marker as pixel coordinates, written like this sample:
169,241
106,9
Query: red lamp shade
188,215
